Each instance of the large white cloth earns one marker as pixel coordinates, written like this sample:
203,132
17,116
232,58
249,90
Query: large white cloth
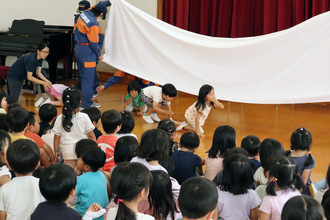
290,66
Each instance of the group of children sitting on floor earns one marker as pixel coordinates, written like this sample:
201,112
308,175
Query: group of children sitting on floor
113,176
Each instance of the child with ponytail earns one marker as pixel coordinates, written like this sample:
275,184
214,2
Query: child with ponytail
301,142
130,183
284,183
70,127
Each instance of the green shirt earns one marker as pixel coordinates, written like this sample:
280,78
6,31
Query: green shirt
137,101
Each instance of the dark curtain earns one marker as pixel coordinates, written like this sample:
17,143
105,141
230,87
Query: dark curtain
240,18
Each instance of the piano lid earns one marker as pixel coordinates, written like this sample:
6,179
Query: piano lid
27,27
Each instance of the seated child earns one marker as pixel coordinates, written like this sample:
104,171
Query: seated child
127,125
17,120
197,199
3,102
187,164
125,149
13,105
47,114
252,145
5,141
31,132
111,123
92,185
94,115
133,98
55,93
168,126
3,123
20,196
156,98
58,185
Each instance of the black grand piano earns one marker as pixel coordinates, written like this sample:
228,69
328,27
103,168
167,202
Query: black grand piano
25,35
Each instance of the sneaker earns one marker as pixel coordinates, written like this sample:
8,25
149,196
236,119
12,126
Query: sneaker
155,117
181,126
45,102
94,95
147,118
37,103
97,105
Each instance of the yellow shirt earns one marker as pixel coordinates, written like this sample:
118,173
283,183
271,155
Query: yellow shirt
15,137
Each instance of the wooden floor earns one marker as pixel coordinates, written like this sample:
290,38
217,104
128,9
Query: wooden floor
264,121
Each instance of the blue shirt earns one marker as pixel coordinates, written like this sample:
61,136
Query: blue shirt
91,188
26,63
185,165
257,164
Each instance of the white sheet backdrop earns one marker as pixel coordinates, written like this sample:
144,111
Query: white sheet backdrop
290,66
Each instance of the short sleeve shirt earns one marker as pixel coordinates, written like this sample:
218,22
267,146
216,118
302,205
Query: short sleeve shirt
35,137
26,63
192,111
107,144
155,93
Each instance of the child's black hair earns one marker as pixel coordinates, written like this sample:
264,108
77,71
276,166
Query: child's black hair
236,150
23,155
127,181
326,204
236,176
47,112
203,91
224,138
269,147
3,124
168,164
127,122
13,105
94,157
84,144
198,196
168,126
93,113
169,89
251,144
71,101
189,140
124,148
328,175
17,119
285,173
111,119
154,145
50,127
2,95
302,208
57,181
4,138
301,139
133,85
161,200
32,119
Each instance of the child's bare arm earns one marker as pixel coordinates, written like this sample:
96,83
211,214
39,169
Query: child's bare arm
264,216
217,103
158,109
56,147
142,110
254,213
128,101
3,215
49,152
91,136
216,213
199,133
4,179
170,109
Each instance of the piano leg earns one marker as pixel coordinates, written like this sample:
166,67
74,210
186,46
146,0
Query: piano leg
3,60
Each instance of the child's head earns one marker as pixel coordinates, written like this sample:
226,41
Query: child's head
91,160
169,92
206,92
168,164
71,101
125,148
129,181
5,141
160,195
94,115
301,139
251,144
189,140
133,87
236,176
3,124
302,208
269,147
58,182
326,204
23,156
236,150
3,100
47,112
169,127
33,123
17,119
283,172
198,198
224,138
111,121
127,122
84,144
13,105
154,145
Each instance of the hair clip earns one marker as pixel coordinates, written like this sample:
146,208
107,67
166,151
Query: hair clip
65,108
309,152
274,180
119,200
63,116
67,96
67,101
301,129
69,89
